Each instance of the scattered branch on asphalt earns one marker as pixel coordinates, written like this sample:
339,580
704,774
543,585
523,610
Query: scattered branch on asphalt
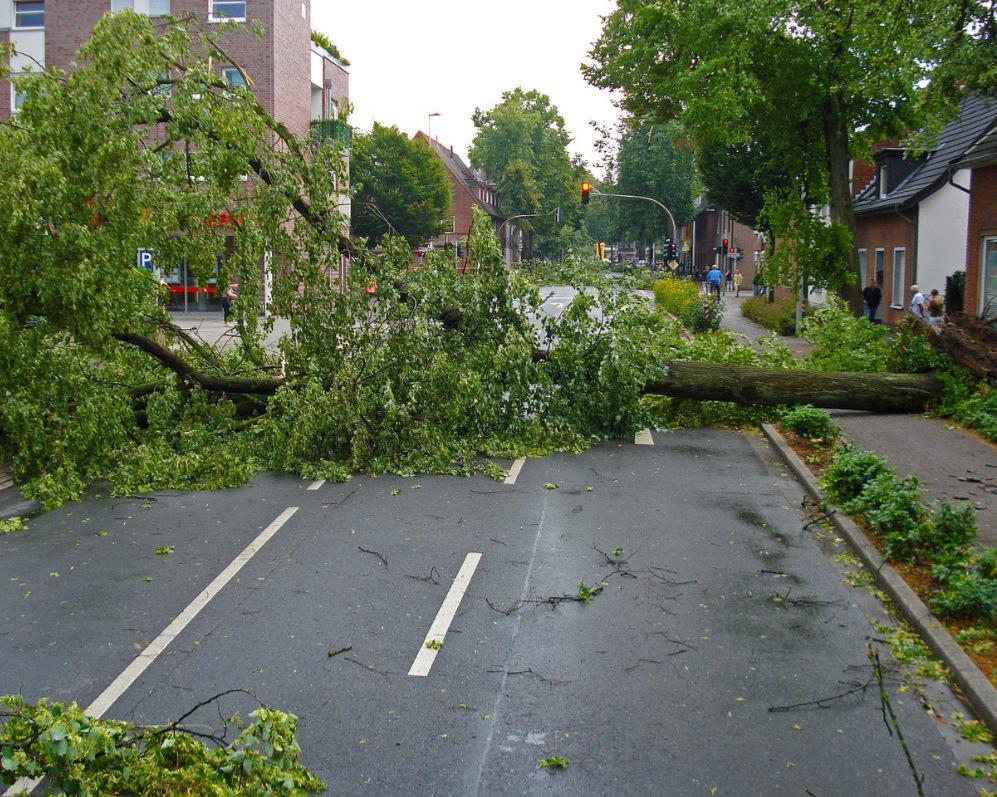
430,579
333,653
784,598
682,642
344,499
535,674
373,553
893,726
823,702
636,664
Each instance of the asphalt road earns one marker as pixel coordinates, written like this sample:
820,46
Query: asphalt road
660,685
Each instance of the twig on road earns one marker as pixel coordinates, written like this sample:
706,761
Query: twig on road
430,579
333,653
887,708
373,553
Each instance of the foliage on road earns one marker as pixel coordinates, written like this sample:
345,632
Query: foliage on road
522,144
83,755
401,369
399,187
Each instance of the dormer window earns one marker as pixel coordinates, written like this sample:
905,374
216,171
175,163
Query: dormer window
881,181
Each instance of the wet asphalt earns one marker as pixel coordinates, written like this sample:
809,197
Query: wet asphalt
716,605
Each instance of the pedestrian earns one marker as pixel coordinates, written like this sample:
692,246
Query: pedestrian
917,303
229,295
871,297
738,279
714,278
756,283
729,280
936,308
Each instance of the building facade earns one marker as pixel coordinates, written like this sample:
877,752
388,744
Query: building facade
912,218
299,83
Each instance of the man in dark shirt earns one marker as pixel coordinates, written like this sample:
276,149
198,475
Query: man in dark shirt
872,296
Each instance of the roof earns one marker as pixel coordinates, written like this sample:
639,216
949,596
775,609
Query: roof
982,153
977,118
463,173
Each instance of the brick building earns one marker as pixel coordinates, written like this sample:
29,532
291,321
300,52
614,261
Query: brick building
468,188
706,233
981,238
912,217
299,83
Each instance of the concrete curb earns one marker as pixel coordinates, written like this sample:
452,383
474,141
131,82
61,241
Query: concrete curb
17,505
967,675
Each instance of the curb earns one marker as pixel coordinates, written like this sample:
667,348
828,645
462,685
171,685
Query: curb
980,692
18,506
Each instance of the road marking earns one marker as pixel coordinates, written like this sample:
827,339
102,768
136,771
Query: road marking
643,438
316,484
438,630
514,470
144,659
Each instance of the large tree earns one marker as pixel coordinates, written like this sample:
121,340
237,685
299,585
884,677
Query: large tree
825,79
653,161
522,144
399,186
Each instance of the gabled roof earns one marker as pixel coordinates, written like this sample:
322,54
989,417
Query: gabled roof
977,117
982,153
464,174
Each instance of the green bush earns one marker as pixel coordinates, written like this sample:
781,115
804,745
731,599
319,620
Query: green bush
909,350
849,470
810,422
951,532
968,591
842,341
675,295
892,507
779,316
704,315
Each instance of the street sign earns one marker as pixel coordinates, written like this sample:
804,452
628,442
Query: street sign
144,260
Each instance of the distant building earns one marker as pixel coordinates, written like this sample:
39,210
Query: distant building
469,188
705,236
981,239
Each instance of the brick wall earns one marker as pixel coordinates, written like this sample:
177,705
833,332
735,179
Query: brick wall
982,221
67,25
340,84
888,231
291,62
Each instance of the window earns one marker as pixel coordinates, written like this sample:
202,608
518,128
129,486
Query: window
897,288
29,14
227,9
18,95
880,266
121,5
863,268
159,8
884,173
988,277
233,77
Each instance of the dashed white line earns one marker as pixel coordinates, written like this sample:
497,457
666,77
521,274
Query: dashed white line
316,484
643,438
514,470
144,659
438,630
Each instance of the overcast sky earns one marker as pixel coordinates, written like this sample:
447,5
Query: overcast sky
410,58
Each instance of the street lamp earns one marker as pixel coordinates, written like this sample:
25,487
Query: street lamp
508,255
430,131
671,218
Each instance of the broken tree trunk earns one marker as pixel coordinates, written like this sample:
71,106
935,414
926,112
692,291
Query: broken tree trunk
745,384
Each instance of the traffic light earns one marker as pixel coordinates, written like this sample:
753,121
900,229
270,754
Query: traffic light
726,244
586,189
670,249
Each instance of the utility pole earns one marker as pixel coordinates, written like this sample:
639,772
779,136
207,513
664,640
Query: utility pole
671,218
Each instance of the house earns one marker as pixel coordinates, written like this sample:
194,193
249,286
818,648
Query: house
469,188
706,234
981,235
911,219
298,82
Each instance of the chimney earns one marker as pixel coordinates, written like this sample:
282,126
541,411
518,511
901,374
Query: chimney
451,150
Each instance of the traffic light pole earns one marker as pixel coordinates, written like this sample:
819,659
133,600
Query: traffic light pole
671,218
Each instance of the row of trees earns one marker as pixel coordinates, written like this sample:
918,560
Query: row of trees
783,94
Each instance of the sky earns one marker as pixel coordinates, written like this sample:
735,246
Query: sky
411,58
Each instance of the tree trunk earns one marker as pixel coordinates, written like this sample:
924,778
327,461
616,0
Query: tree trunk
842,209
745,384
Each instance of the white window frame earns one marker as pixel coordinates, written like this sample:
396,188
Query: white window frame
882,176
981,296
213,18
157,14
14,107
898,250
225,76
13,13
879,259
863,267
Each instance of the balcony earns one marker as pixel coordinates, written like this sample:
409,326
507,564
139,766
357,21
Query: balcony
336,129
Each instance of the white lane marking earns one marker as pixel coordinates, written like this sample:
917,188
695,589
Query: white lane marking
643,438
141,663
316,484
438,630
514,470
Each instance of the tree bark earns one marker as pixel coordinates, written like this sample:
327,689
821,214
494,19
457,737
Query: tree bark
769,387
842,208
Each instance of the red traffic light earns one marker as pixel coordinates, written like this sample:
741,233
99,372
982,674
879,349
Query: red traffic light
586,189
725,243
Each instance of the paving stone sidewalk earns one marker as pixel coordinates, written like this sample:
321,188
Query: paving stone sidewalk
952,463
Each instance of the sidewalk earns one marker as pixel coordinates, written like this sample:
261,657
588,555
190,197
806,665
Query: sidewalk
951,463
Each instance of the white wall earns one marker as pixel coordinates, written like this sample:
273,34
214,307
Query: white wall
5,14
942,224
30,43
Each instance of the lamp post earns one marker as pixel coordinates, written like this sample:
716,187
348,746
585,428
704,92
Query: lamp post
430,131
555,211
671,218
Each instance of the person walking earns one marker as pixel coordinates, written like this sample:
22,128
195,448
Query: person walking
917,303
871,297
714,278
729,280
738,279
229,296
936,308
